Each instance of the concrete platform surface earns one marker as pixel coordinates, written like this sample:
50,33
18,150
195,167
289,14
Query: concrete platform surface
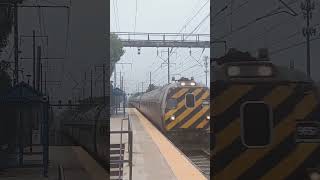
77,165
154,157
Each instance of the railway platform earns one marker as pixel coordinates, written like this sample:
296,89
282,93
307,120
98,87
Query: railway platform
153,155
65,162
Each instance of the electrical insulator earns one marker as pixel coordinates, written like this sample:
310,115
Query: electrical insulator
139,51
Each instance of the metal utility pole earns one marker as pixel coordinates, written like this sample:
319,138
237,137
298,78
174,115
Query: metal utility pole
84,85
122,88
41,81
292,64
16,44
120,80
307,7
115,72
38,68
34,58
115,75
91,82
104,83
206,70
45,80
168,66
150,79
141,86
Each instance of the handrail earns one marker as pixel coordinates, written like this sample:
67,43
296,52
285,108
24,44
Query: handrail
61,173
122,160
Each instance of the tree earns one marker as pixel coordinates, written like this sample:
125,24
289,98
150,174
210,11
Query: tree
116,51
5,79
6,21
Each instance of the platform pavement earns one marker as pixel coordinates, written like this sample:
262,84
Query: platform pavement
77,165
148,162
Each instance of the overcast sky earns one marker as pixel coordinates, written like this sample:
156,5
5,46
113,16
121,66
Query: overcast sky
84,48
81,42
160,16
281,33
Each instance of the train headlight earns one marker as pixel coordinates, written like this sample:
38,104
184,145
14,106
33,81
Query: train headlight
183,84
208,117
172,118
264,71
193,84
233,71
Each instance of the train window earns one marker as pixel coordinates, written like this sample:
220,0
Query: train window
256,124
172,104
190,100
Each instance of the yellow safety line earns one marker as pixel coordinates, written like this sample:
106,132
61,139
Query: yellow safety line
179,164
95,171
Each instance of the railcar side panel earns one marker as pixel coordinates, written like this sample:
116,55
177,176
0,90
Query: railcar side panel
251,146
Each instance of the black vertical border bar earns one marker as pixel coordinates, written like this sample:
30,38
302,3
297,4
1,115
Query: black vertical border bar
108,83
211,139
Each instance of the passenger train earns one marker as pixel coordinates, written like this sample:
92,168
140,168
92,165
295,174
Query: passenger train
181,110
265,120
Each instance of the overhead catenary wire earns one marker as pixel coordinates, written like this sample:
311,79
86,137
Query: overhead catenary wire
253,21
115,16
184,26
188,22
277,51
135,17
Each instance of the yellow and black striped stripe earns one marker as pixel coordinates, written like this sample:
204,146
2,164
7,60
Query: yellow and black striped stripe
284,158
188,118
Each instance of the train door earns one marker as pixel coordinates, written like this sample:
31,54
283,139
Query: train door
265,131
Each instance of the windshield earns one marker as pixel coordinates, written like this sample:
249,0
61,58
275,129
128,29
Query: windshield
172,103
190,100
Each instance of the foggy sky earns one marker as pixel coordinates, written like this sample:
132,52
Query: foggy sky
87,44
159,16
278,32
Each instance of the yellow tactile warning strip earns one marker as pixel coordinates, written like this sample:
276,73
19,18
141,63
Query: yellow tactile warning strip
95,171
179,164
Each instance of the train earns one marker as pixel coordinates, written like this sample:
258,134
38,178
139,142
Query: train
180,110
265,119
88,126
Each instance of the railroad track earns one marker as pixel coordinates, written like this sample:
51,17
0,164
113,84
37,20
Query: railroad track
200,158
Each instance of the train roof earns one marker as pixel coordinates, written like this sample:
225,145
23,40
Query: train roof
281,73
166,87
237,58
